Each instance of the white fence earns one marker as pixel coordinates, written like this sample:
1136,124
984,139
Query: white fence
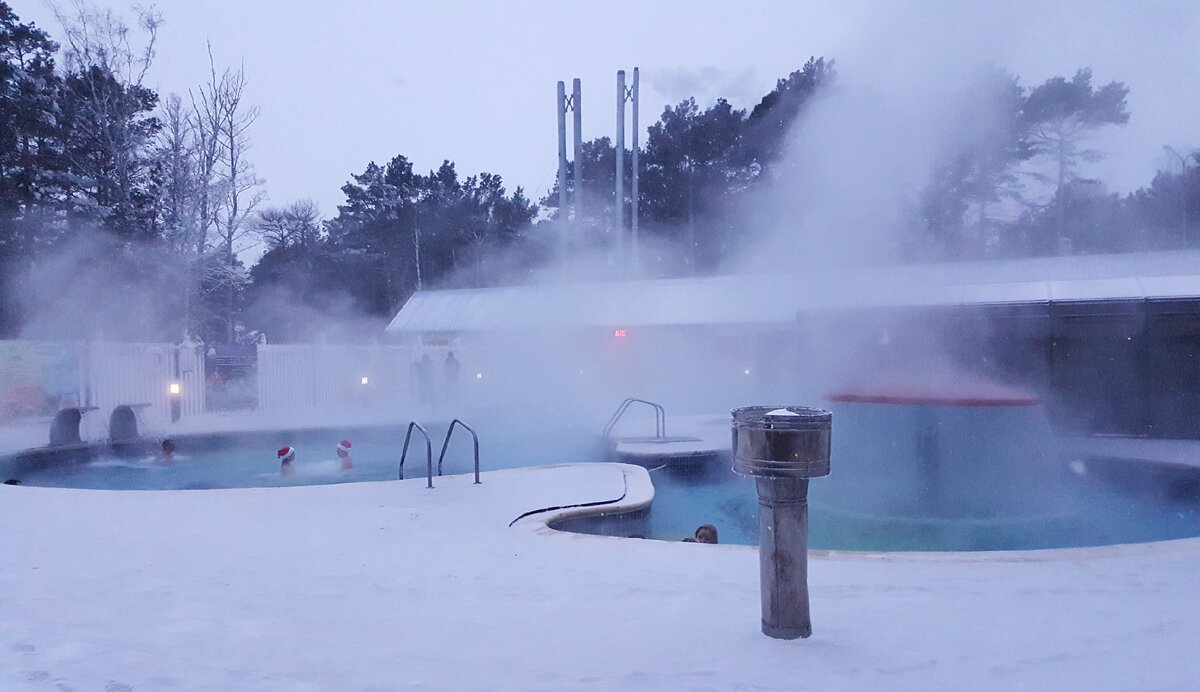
326,376
40,377
143,376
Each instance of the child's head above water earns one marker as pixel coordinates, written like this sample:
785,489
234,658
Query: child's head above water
707,533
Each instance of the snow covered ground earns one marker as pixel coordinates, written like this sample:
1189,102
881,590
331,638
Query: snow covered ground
700,435
393,586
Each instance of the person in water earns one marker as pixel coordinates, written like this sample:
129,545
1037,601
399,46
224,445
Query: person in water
343,452
286,455
706,533
167,454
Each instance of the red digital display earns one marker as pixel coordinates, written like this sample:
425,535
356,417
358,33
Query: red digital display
620,333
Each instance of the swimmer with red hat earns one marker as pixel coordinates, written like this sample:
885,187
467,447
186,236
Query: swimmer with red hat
286,456
343,452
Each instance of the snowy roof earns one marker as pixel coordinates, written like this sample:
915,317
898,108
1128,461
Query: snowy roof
735,299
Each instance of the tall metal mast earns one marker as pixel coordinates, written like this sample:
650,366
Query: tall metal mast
577,106
560,108
619,202
634,188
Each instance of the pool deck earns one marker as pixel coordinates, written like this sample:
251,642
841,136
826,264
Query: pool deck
394,586
687,436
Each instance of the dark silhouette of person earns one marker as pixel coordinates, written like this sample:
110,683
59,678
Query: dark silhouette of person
424,372
168,452
450,368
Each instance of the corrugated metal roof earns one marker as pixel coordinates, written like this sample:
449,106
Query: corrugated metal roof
778,298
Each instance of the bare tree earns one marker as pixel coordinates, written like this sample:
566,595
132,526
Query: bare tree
296,225
179,182
233,191
99,37
179,195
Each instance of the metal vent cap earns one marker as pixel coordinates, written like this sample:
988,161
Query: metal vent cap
781,441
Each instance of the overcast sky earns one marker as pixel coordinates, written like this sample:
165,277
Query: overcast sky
341,84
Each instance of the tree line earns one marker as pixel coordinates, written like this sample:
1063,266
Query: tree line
86,145
1010,184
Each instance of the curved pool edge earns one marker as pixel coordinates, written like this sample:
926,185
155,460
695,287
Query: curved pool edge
638,494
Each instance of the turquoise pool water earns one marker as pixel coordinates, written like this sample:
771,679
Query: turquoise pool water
248,460
1101,507
1092,502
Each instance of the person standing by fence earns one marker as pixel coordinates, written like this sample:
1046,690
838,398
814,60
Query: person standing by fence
450,368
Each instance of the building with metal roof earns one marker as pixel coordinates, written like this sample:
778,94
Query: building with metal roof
1111,342
779,298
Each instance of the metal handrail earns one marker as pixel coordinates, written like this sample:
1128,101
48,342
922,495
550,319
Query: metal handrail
474,437
660,416
428,451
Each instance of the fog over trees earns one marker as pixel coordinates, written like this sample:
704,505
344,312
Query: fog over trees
164,186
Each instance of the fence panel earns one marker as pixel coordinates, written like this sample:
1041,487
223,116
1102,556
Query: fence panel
319,376
137,375
190,374
37,378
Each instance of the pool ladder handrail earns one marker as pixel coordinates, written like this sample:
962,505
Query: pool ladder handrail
474,439
428,451
660,417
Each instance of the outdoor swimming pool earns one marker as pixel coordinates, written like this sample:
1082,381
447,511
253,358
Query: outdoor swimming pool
1104,502
1091,502
248,459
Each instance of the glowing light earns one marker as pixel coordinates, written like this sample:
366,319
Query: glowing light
479,376
746,371
174,389
620,333
365,380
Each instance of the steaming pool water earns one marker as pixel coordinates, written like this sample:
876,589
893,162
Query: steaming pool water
1073,503
248,460
1115,501
931,471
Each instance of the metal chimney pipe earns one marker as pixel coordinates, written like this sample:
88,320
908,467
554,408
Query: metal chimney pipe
782,447
577,105
620,199
633,220
561,112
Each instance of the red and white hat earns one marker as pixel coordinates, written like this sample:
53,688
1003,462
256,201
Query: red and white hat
344,446
286,454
